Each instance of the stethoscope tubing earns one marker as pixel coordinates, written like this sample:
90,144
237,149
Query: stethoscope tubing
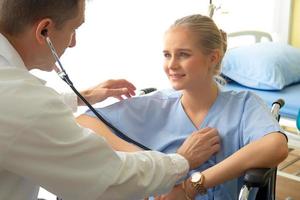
64,76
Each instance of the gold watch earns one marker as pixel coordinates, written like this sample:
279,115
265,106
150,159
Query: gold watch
197,181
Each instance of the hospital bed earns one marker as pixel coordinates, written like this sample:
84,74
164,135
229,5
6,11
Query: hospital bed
291,94
289,113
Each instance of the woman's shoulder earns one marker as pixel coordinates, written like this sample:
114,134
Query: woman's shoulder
241,97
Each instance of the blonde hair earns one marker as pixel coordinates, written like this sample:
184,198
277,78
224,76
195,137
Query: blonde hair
208,35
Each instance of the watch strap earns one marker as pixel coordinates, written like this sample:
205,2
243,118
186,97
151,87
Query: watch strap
199,186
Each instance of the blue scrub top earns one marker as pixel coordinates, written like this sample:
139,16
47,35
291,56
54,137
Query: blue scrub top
159,122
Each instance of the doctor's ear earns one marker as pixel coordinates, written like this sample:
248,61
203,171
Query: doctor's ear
43,29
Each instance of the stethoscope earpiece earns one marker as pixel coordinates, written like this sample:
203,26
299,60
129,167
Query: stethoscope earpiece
44,32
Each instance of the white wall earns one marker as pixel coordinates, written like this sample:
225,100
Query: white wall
123,39
271,16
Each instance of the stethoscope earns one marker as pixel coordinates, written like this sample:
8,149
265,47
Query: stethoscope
64,76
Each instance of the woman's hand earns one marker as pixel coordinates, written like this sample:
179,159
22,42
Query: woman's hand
110,88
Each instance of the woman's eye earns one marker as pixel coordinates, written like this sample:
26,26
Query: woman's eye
184,55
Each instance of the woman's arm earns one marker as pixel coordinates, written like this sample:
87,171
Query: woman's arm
101,129
266,152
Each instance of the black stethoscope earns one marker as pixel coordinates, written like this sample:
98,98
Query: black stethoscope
64,76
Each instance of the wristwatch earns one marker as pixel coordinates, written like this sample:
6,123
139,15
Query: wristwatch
197,181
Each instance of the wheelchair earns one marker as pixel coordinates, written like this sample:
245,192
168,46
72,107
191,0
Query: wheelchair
264,179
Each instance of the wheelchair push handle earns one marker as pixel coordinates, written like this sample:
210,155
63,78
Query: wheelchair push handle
280,102
276,107
146,91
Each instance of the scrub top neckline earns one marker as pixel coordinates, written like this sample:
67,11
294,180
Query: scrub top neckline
208,115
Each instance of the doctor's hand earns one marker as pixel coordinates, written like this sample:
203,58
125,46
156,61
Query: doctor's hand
200,146
110,88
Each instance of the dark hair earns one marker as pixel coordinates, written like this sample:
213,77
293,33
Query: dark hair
16,15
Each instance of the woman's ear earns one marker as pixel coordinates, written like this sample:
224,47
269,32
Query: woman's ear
43,29
215,57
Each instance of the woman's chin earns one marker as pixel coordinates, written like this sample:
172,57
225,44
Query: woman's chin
177,87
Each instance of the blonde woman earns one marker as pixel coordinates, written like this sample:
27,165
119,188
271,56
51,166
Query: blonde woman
250,137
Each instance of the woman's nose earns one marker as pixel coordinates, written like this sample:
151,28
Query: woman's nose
173,64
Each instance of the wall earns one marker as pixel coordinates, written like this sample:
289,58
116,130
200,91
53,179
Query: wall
295,34
124,39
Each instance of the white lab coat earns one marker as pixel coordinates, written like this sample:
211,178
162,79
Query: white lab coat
42,145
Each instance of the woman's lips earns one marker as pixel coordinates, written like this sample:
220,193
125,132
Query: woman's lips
176,76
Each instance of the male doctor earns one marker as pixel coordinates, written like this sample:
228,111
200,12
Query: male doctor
40,142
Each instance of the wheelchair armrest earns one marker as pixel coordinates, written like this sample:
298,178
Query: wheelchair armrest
258,177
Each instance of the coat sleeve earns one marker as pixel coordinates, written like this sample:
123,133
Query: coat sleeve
50,149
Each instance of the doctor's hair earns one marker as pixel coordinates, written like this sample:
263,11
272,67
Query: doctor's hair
17,15
209,37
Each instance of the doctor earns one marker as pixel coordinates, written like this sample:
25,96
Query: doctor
40,142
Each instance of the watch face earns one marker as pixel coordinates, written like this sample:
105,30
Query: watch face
196,177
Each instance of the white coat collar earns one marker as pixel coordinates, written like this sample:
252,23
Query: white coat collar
10,54
11,57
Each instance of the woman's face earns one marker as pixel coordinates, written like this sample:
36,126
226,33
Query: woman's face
186,66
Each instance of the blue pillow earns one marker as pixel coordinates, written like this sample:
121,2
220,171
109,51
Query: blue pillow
266,66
